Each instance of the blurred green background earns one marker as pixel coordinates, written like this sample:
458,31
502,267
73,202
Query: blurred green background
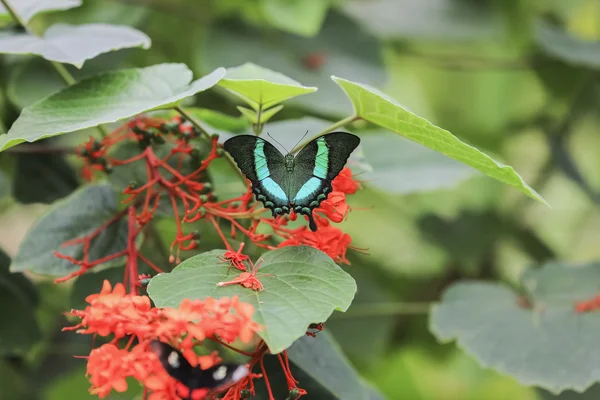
515,78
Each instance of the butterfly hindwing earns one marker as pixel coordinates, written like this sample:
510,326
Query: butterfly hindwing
264,166
317,164
194,377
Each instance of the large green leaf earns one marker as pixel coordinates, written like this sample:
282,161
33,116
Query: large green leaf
76,216
26,9
373,106
106,97
402,166
340,48
305,287
567,47
262,87
42,178
546,344
299,17
322,359
431,19
32,80
74,44
19,330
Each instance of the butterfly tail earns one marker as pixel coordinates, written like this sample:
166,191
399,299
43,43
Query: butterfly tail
311,223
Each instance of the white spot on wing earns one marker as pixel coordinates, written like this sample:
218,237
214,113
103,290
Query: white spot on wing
239,373
220,373
173,360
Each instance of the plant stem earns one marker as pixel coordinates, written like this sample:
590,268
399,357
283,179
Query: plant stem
204,132
64,73
193,120
383,309
13,14
330,128
61,69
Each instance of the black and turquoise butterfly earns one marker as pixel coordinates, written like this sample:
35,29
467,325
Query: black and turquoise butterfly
213,378
285,183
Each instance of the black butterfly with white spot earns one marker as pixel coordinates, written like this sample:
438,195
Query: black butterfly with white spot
193,378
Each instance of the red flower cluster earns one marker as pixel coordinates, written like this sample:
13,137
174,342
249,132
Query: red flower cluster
127,315
192,193
113,312
328,238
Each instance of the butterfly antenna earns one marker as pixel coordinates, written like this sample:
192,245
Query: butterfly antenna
282,146
302,138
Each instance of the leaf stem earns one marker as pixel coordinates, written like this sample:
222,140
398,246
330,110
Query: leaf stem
13,13
330,128
204,132
61,69
64,73
383,309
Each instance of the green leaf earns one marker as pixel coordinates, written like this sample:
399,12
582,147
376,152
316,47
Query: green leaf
249,114
322,359
305,287
104,98
547,344
265,116
31,81
373,106
20,329
432,19
300,17
260,87
219,120
402,166
76,216
567,47
74,44
27,9
42,178
340,48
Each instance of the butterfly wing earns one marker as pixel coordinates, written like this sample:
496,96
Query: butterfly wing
173,362
317,164
179,368
264,166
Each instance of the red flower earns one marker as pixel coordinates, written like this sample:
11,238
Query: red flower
344,182
112,311
327,238
334,207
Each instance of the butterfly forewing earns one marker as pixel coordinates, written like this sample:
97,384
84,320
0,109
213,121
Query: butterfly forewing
317,164
172,361
264,166
194,377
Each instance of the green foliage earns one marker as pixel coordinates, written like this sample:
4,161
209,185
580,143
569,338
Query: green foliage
321,358
78,215
17,303
375,107
512,80
105,98
525,336
401,166
261,88
301,283
567,47
27,9
74,44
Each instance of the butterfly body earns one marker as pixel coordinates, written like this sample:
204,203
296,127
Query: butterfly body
286,183
193,378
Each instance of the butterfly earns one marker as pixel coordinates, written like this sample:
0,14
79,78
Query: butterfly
193,378
285,183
